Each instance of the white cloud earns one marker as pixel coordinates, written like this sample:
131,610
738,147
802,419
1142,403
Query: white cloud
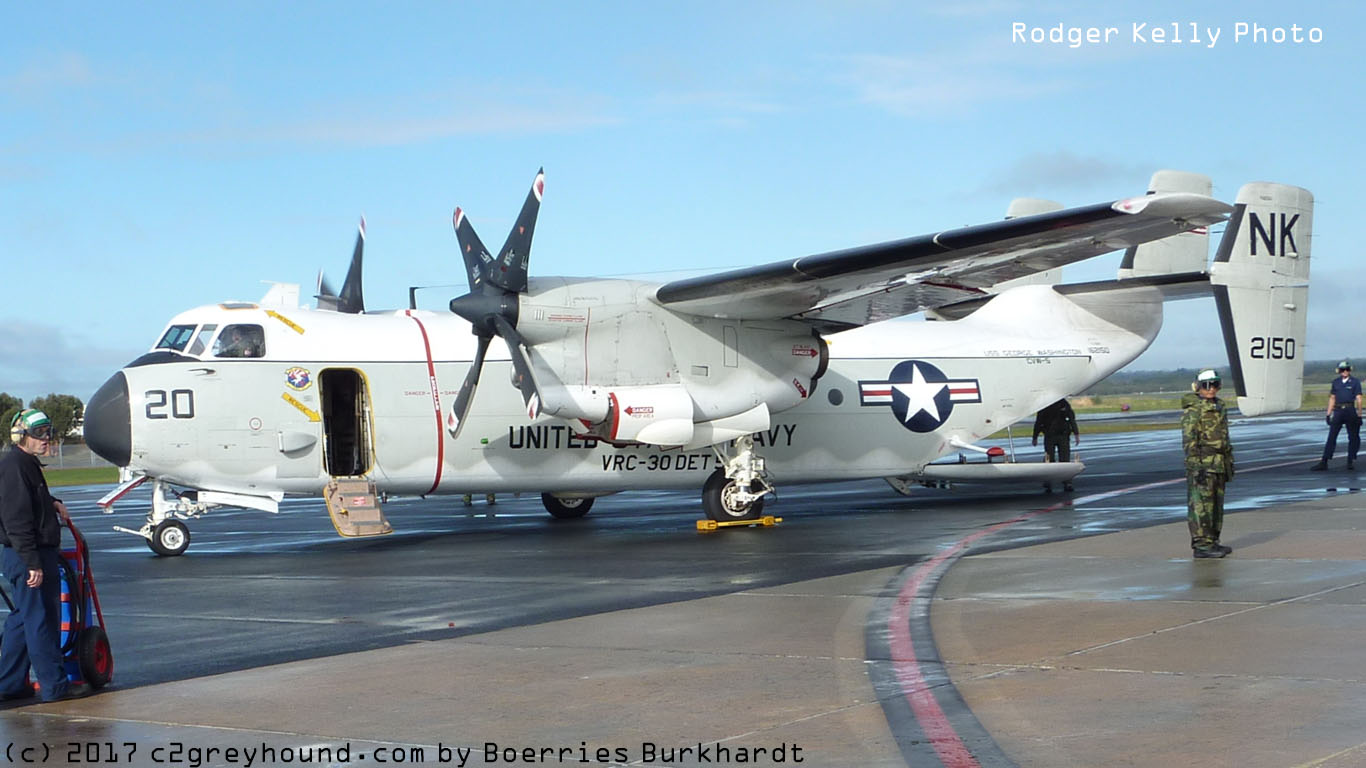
394,131
930,86
57,71
1068,171
38,359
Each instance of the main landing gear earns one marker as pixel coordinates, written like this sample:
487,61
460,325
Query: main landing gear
566,507
735,491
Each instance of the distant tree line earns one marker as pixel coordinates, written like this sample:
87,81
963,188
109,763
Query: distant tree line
1179,380
66,411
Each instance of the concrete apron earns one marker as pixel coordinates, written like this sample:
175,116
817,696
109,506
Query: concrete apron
1109,650
769,668
1121,650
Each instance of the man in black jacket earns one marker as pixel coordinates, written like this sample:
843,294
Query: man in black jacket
1056,423
31,533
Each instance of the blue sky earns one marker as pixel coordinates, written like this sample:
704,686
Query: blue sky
159,156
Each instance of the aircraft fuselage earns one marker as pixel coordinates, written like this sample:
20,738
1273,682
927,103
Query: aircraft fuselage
334,394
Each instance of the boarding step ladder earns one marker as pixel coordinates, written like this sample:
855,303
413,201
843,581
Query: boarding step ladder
354,506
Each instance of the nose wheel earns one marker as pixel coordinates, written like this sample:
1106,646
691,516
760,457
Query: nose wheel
163,531
169,538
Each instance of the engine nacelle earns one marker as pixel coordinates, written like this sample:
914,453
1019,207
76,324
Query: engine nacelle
656,415
724,430
610,360
776,367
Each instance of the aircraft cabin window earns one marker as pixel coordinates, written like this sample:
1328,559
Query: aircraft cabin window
240,341
176,337
201,341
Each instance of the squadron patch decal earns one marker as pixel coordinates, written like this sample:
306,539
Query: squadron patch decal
298,378
921,396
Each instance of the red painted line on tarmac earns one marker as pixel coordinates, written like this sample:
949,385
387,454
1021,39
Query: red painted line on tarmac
917,691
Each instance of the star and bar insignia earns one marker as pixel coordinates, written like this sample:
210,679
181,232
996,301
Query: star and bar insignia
921,396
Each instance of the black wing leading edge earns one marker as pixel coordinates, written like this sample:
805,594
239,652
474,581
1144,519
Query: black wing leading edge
863,285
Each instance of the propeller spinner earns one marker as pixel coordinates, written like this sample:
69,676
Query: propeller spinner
491,306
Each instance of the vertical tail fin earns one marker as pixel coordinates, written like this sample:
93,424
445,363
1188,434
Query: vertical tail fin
1186,252
1260,277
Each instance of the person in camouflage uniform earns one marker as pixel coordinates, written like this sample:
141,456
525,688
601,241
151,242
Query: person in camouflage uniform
1056,423
1209,463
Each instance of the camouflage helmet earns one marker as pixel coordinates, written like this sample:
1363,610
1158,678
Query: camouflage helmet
1345,365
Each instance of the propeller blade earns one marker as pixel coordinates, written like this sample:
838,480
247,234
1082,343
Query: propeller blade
456,420
472,250
521,366
324,290
494,300
509,272
327,298
350,299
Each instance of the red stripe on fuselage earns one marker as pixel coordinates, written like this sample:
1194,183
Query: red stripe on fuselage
436,401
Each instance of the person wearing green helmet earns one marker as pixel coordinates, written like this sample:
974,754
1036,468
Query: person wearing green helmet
1209,463
30,527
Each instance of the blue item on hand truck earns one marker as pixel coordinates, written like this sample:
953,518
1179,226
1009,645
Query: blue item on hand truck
86,654
85,644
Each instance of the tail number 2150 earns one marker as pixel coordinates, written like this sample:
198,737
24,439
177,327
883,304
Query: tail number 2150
1273,347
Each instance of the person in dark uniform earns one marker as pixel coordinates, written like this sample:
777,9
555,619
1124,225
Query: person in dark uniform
31,534
1344,407
1209,464
1056,422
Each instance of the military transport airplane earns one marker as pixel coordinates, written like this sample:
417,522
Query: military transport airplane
733,382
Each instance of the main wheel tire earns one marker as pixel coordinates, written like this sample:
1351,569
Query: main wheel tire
170,538
719,504
566,509
94,657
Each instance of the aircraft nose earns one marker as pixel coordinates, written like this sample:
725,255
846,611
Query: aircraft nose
108,425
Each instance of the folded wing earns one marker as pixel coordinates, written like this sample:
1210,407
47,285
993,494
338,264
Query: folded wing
858,286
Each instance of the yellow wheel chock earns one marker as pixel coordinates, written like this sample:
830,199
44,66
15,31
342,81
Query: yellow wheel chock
708,526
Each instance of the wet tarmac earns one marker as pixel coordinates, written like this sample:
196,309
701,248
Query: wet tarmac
484,590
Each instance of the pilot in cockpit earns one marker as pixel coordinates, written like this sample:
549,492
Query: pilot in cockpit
239,341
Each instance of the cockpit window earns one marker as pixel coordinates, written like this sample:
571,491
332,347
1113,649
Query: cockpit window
240,341
201,340
176,337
